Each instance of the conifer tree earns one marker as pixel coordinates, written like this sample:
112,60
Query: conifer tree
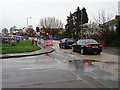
75,21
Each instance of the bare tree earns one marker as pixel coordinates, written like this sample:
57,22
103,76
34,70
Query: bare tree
102,20
51,23
92,28
102,17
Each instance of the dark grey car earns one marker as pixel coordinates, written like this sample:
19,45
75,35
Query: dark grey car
66,43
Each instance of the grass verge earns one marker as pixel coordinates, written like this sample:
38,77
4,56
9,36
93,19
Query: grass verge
21,47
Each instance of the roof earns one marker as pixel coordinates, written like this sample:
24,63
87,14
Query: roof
112,22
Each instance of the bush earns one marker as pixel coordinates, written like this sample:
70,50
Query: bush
110,39
13,43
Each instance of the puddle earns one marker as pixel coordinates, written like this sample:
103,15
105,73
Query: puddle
82,64
92,67
112,62
85,62
90,60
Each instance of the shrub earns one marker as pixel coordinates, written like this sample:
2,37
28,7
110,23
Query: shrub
13,43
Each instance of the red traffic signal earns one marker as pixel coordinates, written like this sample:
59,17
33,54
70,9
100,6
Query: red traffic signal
47,33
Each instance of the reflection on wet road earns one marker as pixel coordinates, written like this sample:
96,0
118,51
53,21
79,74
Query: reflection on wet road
105,61
55,70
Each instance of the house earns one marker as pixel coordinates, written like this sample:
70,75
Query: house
111,25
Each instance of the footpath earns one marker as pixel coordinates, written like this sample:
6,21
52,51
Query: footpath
44,50
111,50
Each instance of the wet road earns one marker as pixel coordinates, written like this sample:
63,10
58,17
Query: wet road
55,70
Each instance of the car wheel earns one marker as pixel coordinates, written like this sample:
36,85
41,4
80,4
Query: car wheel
63,47
59,46
98,52
82,51
73,49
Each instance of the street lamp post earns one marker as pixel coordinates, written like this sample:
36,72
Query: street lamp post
27,20
81,25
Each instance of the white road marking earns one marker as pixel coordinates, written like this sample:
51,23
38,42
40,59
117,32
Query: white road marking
41,69
32,68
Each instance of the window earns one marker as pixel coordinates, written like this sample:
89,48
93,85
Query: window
91,42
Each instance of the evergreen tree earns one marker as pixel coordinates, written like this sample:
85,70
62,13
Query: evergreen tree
77,18
84,16
75,21
69,26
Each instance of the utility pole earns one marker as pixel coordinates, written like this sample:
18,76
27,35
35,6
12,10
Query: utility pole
81,26
27,20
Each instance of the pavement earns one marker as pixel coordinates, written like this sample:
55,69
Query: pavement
111,50
44,50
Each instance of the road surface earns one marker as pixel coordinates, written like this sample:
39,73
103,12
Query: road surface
55,70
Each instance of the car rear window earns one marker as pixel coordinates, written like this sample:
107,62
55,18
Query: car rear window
91,42
70,40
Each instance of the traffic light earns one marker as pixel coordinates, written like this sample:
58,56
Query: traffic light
37,29
47,33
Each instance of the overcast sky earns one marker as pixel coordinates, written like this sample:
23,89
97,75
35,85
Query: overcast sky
16,12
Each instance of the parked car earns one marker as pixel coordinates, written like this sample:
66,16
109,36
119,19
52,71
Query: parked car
85,46
66,43
49,43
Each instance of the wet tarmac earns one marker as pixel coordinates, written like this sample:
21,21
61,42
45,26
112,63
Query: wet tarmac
89,67
57,70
